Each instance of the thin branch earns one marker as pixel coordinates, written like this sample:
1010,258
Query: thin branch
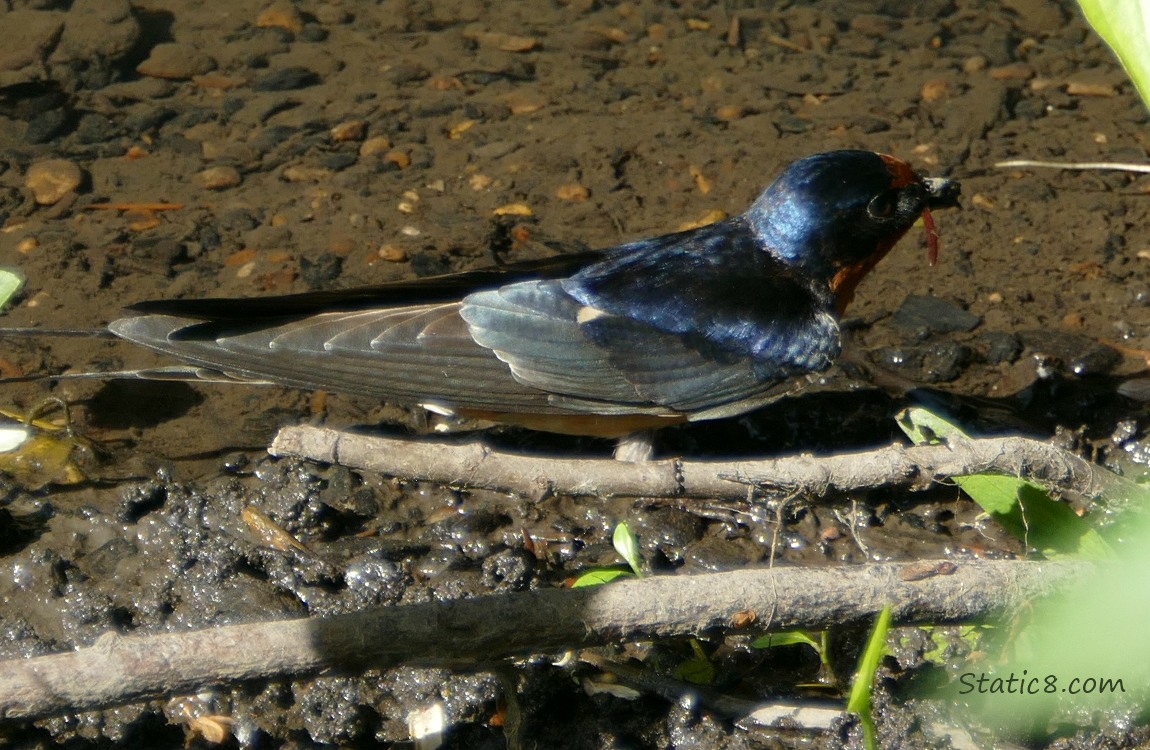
1084,165
472,464
477,631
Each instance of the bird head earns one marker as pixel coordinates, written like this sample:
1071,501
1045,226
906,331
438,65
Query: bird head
834,215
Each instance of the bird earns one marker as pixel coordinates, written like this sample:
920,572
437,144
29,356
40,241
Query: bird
694,325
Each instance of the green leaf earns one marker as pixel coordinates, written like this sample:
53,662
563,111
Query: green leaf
11,282
698,669
859,701
1125,26
1023,508
599,576
786,638
627,545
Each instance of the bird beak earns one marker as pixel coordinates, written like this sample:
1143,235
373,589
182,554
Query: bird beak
941,192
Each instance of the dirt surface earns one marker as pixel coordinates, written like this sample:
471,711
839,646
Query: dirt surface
320,144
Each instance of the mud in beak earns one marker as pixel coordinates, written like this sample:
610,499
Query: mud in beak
942,192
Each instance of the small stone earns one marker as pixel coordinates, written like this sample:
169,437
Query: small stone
398,158
218,178
299,173
375,145
729,112
48,125
287,79
51,180
935,90
1083,88
282,16
792,124
501,41
1078,354
572,191
975,64
322,271
339,162
95,128
494,150
392,253
349,130
1012,72
513,209
1001,347
175,61
928,315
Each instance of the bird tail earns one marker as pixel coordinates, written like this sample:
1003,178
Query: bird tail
184,373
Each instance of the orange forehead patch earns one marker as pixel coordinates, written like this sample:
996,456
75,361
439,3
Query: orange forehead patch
901,171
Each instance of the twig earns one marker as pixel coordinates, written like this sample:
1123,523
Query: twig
472,464
1085,165
475,631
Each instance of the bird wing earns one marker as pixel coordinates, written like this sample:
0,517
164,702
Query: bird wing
522,348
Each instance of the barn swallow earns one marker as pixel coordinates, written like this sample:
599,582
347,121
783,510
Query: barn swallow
694,325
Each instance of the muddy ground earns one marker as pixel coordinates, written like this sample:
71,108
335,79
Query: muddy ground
315,145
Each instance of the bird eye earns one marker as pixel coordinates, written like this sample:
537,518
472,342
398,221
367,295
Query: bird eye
882,205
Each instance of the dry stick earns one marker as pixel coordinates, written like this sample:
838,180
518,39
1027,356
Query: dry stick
119,670
1082,165
472,464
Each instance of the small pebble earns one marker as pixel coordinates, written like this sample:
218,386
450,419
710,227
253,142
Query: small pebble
218,178
1001,347
375,145
51,180
176,62
974,64
1012,72
513,209
398,158
500,41
1076,88
572,191
729,112
929,315
349,130
287,79
935,90
280,15
392,253
299,173
47,125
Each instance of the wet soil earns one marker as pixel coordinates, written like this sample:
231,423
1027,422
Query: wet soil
315,145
